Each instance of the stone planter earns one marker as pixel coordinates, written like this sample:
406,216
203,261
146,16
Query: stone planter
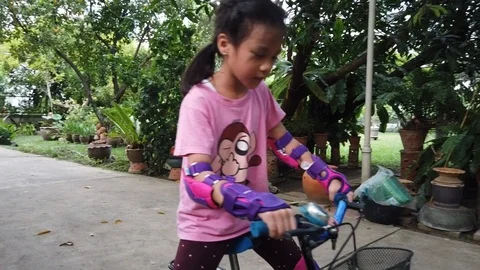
49,133
99,151
447,188
374,132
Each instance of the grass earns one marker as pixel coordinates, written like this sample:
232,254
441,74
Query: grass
69,151
385,151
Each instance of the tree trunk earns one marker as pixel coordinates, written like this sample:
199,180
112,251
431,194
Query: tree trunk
85,84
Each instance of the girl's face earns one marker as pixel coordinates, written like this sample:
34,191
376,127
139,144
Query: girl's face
252,60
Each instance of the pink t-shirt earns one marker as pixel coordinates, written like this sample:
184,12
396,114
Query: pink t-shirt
234,133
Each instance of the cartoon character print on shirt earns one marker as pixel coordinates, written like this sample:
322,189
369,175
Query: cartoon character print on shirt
235,146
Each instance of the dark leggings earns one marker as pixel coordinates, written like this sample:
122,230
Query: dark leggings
280,254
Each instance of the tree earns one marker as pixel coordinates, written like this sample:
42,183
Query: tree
91,37
327,41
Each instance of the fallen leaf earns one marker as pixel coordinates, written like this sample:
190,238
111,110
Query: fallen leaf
88,187
44,232
67,244
161,213
118,221
104,221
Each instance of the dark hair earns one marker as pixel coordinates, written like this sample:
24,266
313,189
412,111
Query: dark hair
235,19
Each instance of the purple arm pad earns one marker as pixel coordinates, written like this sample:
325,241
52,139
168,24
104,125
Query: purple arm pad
315,171
319,167
201,191
242,202
282,155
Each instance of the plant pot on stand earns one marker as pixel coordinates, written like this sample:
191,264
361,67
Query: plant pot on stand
175,163
353,151
99,151
413,139
321,140
447,188
135,156
444,212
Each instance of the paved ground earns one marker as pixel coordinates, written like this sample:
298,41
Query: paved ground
123,221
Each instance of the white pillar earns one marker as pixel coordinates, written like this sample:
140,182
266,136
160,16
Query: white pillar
366,149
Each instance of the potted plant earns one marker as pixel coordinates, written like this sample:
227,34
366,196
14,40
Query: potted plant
113,137
131,133
86,132
321,138
50,129
300,128
68,129
7,133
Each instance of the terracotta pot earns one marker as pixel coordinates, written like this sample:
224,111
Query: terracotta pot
354,141
335,154
321,139
69,137
302,140
76,138
135,156
447,188
85,139
413,139
272,168
175,174
409,164
99,151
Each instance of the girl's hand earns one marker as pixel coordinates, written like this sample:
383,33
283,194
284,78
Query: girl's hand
279,222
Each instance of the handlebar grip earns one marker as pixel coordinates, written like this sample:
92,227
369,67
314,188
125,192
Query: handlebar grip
258,228
340,212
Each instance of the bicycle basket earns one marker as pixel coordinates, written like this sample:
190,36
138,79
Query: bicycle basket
377,258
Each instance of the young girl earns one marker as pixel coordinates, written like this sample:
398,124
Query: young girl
225,119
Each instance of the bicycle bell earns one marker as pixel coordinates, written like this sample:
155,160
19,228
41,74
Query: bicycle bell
315,214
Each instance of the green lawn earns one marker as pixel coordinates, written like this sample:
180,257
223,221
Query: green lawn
69,151
385,151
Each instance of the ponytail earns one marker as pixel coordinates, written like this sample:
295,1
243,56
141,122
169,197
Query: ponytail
201,67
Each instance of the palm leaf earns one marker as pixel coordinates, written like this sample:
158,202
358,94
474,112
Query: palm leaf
124,124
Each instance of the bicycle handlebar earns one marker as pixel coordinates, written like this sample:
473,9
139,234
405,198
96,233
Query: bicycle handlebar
259,228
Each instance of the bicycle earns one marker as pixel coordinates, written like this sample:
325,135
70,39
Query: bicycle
312,231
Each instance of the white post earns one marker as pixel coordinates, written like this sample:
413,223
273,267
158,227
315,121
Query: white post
366,150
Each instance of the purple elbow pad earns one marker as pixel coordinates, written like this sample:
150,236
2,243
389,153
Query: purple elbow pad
242,202
318,167
281,154
201,191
